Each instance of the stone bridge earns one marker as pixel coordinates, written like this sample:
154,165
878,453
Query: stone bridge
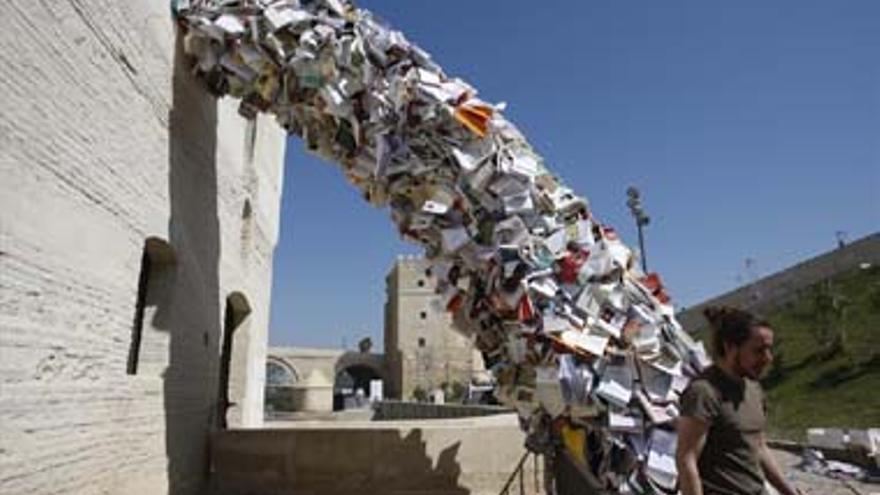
346,370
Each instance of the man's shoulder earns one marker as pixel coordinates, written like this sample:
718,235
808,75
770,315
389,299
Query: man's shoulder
701,386
700,400
708,378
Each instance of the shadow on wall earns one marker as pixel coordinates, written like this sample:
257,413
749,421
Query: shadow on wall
404,465
192,313
332,462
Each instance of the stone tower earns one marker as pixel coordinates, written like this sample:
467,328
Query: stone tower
421,348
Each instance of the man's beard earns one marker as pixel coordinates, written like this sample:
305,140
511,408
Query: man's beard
744,371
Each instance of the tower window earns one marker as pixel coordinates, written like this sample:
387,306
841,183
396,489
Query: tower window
423,315
421,342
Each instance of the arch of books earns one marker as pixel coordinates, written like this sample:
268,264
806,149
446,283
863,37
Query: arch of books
582,343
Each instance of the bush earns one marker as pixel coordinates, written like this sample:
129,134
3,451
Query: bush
455,392
419,394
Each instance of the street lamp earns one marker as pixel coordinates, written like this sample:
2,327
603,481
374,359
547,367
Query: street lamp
752,275
634,202
842,238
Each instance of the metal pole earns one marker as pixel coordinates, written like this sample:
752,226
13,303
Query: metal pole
642,247
634,202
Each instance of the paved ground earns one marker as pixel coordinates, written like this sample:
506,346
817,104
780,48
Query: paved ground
812,484
809,483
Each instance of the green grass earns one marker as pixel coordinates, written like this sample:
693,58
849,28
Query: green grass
829,379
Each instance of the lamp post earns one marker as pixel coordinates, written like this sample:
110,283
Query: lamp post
842,238
752,276
634,202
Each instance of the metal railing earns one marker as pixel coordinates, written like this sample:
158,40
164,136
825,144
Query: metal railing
518,476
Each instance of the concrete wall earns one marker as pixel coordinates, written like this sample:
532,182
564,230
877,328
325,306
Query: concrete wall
421,347
462,456
105,141
776,289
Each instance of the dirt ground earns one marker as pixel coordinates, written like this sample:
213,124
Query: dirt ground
812,484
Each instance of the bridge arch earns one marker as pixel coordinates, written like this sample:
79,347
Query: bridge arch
369,361
281,378
280,373
353,375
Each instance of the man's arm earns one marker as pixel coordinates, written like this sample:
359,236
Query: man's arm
772,472
692,434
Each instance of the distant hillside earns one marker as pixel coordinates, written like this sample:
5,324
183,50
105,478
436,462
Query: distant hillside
775,290
827,364
826,370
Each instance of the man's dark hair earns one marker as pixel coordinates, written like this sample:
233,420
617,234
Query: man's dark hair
730,326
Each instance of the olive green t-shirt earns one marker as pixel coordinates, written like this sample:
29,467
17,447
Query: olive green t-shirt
734,410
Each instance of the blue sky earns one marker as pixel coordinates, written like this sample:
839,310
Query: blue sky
751,127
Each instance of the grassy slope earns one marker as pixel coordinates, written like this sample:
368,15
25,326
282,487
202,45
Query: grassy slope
811,386
841,389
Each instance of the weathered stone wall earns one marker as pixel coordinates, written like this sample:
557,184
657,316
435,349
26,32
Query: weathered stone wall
105,141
